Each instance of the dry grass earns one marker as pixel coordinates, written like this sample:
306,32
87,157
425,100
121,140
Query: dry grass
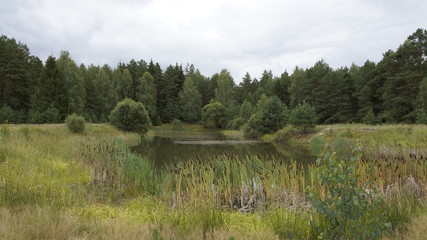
416,229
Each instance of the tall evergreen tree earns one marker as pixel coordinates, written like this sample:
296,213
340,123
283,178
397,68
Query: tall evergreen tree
298,89
18,73
281,88
170,86
93,98
50,90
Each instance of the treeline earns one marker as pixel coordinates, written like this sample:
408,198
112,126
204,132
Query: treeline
393,90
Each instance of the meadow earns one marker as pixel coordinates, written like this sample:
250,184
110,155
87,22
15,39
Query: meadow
59,185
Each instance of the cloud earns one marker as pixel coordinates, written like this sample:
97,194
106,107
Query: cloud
240,35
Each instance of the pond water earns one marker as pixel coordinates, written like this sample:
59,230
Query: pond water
167,147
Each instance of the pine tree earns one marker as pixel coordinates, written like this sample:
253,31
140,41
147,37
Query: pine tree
298,89
18,73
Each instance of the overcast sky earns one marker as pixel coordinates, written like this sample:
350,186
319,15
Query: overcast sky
239,35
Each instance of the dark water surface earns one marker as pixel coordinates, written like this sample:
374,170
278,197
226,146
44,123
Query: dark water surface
170,147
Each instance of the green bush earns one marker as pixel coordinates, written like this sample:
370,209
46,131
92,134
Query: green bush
8,115
271,116
213,115
237,123
50,115
176,124
131,116
345,210
75,123
254,127
370,118
421,116
285,134
303,117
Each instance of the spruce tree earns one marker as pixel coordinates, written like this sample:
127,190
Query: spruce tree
50,90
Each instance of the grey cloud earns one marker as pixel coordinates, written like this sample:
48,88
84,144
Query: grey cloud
240,35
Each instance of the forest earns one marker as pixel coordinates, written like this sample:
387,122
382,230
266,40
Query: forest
394,90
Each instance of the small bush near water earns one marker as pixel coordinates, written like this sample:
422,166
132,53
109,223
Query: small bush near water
176,124
130,116
75,123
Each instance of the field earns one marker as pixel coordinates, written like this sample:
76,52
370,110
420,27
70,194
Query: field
58,185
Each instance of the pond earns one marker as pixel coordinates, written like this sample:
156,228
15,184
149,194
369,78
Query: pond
167,147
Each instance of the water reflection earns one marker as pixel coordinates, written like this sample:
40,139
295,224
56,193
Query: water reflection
166,148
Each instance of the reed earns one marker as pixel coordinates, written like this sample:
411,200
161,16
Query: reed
92,182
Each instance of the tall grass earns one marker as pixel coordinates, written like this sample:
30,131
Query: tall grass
96,188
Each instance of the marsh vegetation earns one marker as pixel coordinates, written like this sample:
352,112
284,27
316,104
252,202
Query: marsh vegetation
58,185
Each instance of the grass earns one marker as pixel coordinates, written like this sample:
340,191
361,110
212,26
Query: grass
58,185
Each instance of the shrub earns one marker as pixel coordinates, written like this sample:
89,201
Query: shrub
131,116
213,115
421,116
303,117
285,134
176,124
75,123
254,127
346,211
237,123
8,115
50,115
370,118
271,116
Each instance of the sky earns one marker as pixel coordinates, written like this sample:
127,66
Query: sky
238,35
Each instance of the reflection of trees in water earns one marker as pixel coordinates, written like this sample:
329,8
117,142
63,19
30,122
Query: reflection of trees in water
164,151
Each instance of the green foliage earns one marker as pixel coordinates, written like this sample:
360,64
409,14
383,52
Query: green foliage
190,102
168,88
107,97
50,92
74,83
421,116
237,123
224,90
346,211
370,118
146,93
271,116
8,115
176,124
303,117
246,110
254,127
75,123
50,115
213,115
131,116
18,71
285,134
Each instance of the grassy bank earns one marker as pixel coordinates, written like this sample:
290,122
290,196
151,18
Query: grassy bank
58,185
